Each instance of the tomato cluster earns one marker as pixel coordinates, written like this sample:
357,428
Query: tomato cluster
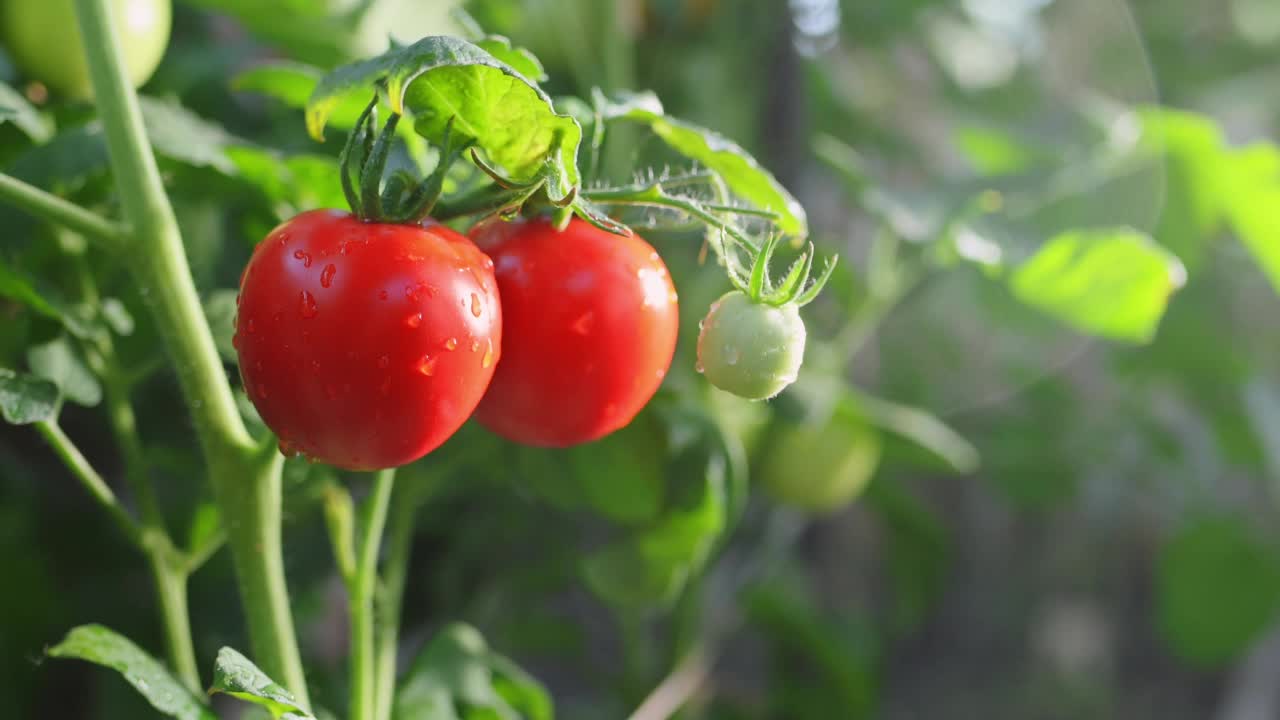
366,345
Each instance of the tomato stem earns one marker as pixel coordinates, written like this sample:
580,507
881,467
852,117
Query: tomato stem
361,592
54,209
247,488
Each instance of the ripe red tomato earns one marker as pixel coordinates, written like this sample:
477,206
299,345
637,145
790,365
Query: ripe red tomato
590,322
366,345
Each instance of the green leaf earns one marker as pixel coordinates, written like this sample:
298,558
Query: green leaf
291,184
1112,283
651,566
917,426
58,362
1253,205
293,83
739,170
918,552
26,399
105,647
1218,589
235,675
520,59
18,288
457,671
622,475
14,108
439,79
1195,164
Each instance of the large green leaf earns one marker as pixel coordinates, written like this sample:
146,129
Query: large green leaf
1217,588
441,79
58,362
741,173
1253,205
1112,283
105,647
26,399
235,675
457,671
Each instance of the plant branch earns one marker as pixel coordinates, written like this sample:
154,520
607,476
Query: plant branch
677,688
92,481
361,591
59,211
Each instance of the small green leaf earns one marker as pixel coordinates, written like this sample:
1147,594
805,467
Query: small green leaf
293,83
18,288
739,170
457,671
1253,205
26,399
1112,283
179,134
1218,589
105,647
520,59
14,108
235,675
443,79
58,361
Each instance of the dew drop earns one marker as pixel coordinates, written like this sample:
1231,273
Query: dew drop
304,257
257,365
385,388
487,360
330,391
382,294
235,340
326,275
384,362
262,391
475,304
307,305
413,320
287,448
475,346
582,325
451,344
699,368
731,355
427,365
248,326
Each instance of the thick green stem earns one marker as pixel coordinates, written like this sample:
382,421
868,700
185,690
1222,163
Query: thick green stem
246,483
59,211
361,590
391,596
171,589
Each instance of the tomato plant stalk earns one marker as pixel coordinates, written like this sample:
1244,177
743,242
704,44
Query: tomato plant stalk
246,480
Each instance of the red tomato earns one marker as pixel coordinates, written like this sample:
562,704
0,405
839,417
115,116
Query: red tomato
366,345
590,322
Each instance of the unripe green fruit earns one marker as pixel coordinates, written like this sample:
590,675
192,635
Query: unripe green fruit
751,349
821,468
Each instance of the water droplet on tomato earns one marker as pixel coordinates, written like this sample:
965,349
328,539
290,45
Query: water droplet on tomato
660,374
257,365
475,346
582,325
330,391
235,340
451,344
475,305
487,360
287,448
307,305
731,355
262,391
326,275
248,325
385,388
304,257
382,294
384,362
698,366
413,320
427,365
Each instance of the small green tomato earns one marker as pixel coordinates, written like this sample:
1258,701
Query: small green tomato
750,349
821,469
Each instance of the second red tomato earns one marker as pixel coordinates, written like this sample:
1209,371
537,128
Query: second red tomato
589,329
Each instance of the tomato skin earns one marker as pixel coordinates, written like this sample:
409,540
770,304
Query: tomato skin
44,40
366,345
820,469
750,349
590,324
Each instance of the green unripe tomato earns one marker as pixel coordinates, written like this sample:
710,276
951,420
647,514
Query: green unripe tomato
821,468
44,40
751,349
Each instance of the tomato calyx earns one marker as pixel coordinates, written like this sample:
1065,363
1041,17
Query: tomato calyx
400,199
795,288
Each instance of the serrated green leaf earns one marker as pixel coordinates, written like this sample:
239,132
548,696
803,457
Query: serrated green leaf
1218,589
1253,205
103,646
739,170
235,675
440,78
26,399
520,59
14,108
457,671
1112,283
58,362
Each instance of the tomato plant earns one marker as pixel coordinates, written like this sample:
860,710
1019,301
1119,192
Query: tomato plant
366,345
44,40
590,328
820,467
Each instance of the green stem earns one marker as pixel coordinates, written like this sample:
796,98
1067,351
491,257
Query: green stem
92,481
361,590
391,593
171,588
62,212
246,483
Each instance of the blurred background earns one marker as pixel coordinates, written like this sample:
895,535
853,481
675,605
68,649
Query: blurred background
1012,483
